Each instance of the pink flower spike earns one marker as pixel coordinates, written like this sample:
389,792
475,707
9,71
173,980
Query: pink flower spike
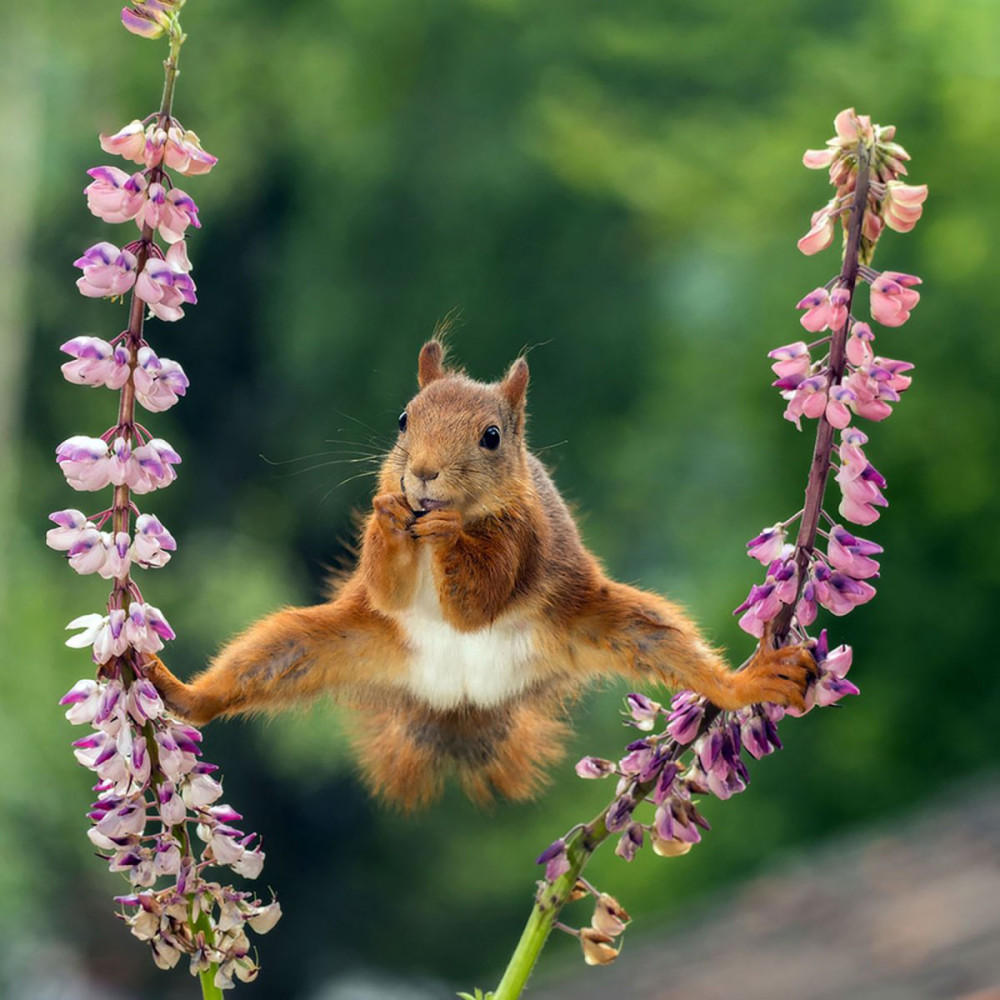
128,142
184,154
819,237
107,271
114,196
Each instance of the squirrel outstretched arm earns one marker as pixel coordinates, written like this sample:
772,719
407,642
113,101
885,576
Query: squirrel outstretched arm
474,612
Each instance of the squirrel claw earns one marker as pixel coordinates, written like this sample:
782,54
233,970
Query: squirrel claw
393,512
437,526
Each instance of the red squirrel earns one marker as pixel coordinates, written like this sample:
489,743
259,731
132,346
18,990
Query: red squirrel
475,612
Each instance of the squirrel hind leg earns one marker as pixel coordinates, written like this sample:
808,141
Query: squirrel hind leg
396,768
518,769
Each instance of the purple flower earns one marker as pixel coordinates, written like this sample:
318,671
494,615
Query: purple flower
644,711
722,770
831,683
840,593
84,462
165,286
675,828
555,860
758,731
768,545
852,555
860,482
71,525
859,351
107,271
104,632
153,543
594,767
83,698
113,195
688,711
791,360
761,605
158,381
170,212
97,363
619,813
630,841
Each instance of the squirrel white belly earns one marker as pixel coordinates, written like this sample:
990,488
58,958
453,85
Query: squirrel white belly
447,668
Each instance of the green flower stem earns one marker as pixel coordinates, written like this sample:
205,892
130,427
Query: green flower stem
553,896
209,991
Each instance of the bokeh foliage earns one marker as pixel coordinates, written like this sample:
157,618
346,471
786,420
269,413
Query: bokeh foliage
616,187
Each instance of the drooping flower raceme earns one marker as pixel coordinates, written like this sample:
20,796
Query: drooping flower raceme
156,799
839,381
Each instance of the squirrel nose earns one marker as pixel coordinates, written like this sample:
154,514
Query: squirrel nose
424,476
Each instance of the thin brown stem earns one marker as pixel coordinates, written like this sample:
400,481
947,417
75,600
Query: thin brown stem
819,468
122,504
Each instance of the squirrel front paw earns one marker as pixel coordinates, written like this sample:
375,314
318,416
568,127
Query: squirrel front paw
171,690
437,526
780,676
393,513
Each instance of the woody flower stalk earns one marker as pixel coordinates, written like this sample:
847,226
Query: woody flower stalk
692,748
158,818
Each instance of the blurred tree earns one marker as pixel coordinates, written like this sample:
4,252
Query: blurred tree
617,188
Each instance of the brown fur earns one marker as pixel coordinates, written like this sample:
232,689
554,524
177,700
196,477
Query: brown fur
504,548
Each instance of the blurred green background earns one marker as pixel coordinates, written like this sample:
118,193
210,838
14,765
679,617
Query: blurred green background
617,187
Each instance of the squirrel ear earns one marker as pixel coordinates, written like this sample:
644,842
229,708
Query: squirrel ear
429,365
515,384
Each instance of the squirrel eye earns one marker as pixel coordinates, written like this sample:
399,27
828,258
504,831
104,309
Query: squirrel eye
490,438
402,421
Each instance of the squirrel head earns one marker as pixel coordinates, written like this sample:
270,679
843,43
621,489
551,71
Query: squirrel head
461,442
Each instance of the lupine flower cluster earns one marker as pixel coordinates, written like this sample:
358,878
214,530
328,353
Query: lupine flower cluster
156,799
691,748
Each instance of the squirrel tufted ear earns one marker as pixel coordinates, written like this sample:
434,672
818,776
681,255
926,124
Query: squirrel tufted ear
430,364
515,384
